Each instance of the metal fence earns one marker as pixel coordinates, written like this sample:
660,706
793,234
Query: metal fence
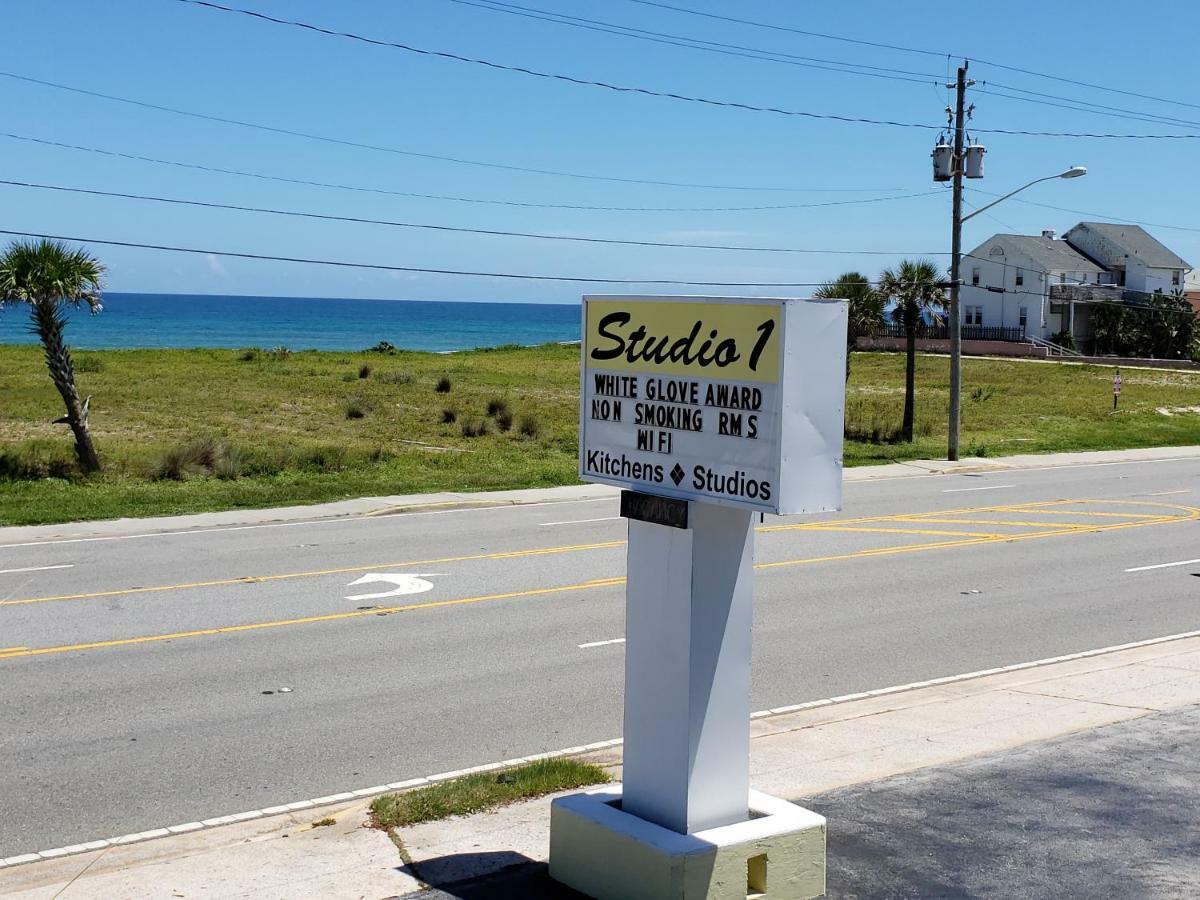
942,332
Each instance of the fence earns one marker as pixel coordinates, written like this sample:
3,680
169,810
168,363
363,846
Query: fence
942,332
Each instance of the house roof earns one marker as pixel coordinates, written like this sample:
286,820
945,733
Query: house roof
1137,242
1048,253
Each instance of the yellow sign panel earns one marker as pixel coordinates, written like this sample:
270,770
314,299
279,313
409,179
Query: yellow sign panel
735,341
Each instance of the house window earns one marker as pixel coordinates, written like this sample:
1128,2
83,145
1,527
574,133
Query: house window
975,276
1174,277
1024,316
1062,277
972,315
1020,277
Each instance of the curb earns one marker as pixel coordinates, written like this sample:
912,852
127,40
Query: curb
377,790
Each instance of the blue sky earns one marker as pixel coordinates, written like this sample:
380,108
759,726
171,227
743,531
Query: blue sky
171,53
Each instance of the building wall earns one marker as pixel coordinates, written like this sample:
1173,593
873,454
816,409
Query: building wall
1144,278
1003,308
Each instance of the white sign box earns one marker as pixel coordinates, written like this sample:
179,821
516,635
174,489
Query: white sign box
731,401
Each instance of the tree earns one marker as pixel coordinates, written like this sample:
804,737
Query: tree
49,276
866,305
914,288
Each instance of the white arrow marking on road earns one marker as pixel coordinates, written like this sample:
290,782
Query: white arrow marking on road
403,582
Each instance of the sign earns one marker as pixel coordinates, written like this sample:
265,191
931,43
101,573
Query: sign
655,510
1117,384
724,400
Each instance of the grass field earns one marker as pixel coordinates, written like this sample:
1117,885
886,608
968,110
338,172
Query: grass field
195,430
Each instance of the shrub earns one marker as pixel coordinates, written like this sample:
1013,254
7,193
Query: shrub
383,347
281,352
475,428
248,355
504,420
364,371
203,456
449,416
981,393
394,377
37,459
496,406
528,426
88,364
356,408
443,385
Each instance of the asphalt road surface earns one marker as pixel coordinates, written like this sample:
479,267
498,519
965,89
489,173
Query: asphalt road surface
141,676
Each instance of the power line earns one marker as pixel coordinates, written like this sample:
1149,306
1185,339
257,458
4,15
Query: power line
555,76
650,92
1079,212
412,153
374,190
817,34
448,228
1150,117
658,37
848,40
416,269
1097,112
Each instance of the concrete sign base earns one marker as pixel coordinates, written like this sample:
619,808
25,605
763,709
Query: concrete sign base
602,851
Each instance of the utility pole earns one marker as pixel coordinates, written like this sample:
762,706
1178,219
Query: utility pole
960,86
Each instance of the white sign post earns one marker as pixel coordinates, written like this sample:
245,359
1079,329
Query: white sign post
708,410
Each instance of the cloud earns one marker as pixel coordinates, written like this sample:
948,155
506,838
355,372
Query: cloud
216,266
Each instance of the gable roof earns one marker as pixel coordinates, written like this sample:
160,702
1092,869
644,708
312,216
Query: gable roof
1048,253
1135,241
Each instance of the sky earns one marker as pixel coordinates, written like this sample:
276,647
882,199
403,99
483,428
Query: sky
176,54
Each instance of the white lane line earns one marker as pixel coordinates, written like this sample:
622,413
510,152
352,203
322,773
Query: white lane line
602,643
990,487
1171,565
558,754
1168,493
360,519
581,521
36,569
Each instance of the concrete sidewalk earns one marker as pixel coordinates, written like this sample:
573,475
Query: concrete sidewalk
367,507
1009,824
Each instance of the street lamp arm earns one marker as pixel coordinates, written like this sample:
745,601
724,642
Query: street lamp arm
1009,194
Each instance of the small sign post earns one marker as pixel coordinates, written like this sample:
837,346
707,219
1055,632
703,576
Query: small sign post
707,411
1116,388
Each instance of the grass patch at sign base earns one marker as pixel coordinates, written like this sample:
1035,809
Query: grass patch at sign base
485,790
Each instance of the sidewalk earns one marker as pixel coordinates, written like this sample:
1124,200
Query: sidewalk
366,507
1025,785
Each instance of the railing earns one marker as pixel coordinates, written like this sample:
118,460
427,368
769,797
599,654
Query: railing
1053,348
941,332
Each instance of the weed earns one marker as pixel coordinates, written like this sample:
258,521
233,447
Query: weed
247,355
485,790
202,456
37,459
87,364
364,371
443,385
496,406
281,353
356,408
529,426
384,347
475,428
981,393
504,420
325,822
449,416
394,377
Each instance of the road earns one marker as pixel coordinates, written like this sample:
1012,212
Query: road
141,675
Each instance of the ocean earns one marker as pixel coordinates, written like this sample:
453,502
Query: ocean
302,323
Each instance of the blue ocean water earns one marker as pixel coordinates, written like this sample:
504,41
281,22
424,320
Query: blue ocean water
302,323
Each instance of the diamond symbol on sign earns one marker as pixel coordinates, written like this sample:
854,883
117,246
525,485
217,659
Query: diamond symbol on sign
677,474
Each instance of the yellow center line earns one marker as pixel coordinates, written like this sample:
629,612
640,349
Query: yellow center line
1013,523
1191,514
256,579
879,530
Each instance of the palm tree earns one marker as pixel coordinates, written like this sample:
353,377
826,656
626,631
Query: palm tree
48,275
866,305
914,287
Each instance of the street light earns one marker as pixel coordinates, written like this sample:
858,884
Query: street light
955,281
1073,172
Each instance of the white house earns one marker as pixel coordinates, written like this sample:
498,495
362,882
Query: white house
1044,285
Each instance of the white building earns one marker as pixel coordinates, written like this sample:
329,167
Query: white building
1042,286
